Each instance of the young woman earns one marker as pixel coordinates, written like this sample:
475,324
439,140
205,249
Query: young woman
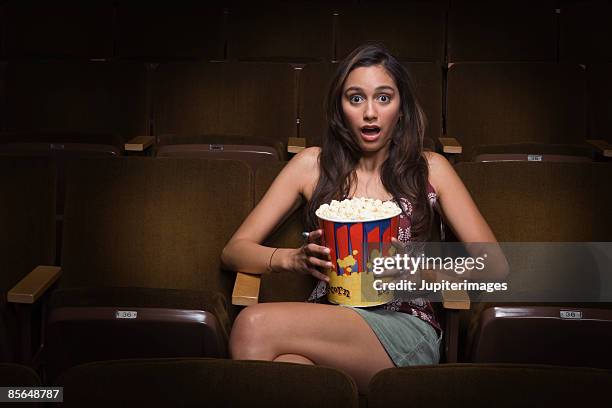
373,148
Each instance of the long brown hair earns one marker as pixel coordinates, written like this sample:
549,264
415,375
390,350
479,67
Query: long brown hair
403,174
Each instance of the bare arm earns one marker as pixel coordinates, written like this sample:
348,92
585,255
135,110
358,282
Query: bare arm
244,251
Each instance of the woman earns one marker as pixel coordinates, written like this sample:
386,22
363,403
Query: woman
373,148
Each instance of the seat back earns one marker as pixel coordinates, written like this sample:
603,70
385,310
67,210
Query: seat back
253,101
514,104
583,30
280,32
98,102
502,31
160,32
62,29
158,223
206,382
27,219
488,385
406,23
599,86
559,203
141,259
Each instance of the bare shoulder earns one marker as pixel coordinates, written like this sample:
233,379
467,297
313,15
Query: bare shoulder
307,158
304,168
440,170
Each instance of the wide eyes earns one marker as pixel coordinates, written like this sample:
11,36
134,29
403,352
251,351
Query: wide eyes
357,99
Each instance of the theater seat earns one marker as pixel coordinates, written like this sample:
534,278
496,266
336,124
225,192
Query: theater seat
524,106
521,30
224,103
279,31
14,375
206,382
488,385
27,219
572,335
549,215
161,32
141,254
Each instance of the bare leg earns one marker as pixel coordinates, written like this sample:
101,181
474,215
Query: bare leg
293,358
323,334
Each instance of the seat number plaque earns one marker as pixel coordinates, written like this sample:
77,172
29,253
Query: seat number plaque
126,314
570,314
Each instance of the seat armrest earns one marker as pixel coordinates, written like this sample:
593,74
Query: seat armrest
602,147
296,144
33,285
139,144
246,289
450,145
455,300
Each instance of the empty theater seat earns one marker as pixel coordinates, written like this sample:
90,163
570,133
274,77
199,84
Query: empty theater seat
158,32
502,31
204,382
488,385
63,29
275,31
315,80
557,306
599,87
247,102
584,31
517,109
141,255
74,102
401,26
27,219
18,376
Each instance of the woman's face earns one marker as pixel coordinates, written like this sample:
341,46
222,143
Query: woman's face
371,106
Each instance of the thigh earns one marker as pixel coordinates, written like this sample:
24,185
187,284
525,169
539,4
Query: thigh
325,334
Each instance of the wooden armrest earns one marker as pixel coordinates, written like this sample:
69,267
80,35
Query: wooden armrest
246,289
602,147
139,144
296,144
455,300
34,285
450,145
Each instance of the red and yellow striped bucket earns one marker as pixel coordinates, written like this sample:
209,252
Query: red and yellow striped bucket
353,247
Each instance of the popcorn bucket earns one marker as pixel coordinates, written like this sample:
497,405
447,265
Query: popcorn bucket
353,246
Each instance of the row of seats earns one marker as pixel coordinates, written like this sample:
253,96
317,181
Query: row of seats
142,237
453,31
199,382
490,108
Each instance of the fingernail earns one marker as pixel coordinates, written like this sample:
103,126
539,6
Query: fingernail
327,251
328,265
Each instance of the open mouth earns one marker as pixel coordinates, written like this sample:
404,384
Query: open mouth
370,132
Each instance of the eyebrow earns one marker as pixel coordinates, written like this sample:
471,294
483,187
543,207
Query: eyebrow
378,89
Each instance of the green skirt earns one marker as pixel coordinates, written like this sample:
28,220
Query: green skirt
407,339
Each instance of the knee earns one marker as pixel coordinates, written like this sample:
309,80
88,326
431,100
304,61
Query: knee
249,339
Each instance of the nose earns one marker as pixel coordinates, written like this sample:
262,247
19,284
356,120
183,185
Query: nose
370,114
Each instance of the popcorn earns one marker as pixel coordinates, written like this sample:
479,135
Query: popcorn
358,209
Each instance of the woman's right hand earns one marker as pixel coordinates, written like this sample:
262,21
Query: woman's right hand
308,259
